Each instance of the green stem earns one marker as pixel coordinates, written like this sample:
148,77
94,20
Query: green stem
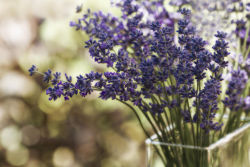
192,125
140,122
245,41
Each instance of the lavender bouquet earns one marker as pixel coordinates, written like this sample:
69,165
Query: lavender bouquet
160,67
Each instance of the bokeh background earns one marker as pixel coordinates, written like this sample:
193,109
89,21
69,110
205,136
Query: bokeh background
35,132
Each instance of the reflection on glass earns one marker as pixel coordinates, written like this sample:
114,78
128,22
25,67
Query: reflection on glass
233,150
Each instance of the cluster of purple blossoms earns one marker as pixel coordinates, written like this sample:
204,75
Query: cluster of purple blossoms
237,91
236,86
241,31
244,37
149,67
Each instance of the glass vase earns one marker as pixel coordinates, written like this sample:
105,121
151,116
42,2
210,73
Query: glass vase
233,150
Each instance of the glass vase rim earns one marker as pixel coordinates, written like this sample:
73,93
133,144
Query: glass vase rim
212,146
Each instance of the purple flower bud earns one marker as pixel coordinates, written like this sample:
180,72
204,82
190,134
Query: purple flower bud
47,76
32,70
